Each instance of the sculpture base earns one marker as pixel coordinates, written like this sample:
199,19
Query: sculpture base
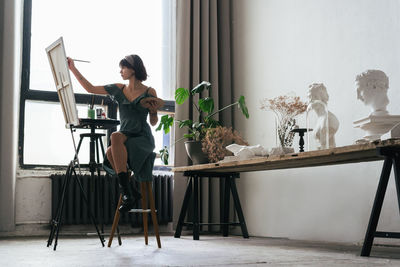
375,126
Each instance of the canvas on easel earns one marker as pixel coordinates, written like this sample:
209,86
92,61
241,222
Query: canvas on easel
59,67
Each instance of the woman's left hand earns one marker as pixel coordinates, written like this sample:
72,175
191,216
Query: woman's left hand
153,113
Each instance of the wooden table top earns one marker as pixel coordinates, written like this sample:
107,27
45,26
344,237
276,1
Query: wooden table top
339,155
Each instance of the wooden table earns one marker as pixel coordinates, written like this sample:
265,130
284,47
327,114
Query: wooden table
388,150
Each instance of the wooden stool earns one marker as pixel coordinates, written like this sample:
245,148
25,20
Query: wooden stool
146,189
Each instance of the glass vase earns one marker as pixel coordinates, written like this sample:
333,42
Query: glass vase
283,135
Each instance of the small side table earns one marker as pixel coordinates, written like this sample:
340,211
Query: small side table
301,132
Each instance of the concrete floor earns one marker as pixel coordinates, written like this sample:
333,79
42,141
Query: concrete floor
208,251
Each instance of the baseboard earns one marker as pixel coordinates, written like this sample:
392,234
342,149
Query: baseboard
41,229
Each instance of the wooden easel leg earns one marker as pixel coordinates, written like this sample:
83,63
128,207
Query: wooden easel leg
115,223
144,214
55,221
77,179
376,209
79,147
153,213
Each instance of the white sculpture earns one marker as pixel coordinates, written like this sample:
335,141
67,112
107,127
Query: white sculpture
327,123
372,87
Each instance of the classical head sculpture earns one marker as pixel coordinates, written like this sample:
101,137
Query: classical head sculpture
372,87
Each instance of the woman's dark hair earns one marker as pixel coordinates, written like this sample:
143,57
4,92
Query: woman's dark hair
135,62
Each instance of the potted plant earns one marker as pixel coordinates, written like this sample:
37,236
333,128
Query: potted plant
205,120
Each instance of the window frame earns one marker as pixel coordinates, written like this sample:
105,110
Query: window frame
52,97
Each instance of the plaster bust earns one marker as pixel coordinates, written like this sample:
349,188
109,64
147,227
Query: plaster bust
318,97
372,87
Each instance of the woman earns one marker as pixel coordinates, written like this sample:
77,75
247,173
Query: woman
133,145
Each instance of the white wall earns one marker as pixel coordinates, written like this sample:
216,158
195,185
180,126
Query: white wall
25,196
284,46
33,197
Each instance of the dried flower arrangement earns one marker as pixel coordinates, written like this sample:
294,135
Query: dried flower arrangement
286,108
216,139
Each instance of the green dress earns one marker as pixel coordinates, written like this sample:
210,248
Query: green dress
140,142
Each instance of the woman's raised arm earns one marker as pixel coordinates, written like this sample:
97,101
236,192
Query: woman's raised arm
82,80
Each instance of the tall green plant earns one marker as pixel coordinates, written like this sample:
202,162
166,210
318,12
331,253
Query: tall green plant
205,120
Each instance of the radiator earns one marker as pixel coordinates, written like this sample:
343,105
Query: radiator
102,193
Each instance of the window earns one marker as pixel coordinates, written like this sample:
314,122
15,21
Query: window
101,32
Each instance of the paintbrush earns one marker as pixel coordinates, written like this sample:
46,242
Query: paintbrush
92,104
80,60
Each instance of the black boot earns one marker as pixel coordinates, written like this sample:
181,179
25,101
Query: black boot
129,195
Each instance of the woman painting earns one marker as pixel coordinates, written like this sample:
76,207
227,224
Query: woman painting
133,145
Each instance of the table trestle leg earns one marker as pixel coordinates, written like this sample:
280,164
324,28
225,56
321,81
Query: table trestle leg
182,214
392,158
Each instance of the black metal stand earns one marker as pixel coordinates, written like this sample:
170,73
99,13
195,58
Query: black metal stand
230,186
392,158
71,172
301,132
95,166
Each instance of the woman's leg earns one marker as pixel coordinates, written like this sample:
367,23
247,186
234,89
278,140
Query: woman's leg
110,158
118,151
118,157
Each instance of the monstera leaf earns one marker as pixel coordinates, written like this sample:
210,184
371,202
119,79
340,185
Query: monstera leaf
191,135
201,87
185,123
165,123
206,104
211,123
241,104
181,94
164,155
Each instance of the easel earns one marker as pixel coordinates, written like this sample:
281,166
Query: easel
59,66
56,222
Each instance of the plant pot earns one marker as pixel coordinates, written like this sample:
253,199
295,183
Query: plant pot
195,153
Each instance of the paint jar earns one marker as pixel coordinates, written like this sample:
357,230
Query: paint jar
90,113
99,113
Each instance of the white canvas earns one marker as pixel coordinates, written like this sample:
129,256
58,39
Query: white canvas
59,67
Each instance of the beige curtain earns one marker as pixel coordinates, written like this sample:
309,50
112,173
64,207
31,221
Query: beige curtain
203,49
